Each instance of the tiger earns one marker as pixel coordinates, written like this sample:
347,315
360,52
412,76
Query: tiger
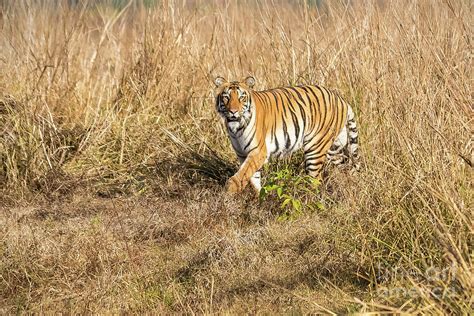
274,123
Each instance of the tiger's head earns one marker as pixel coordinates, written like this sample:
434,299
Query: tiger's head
234,102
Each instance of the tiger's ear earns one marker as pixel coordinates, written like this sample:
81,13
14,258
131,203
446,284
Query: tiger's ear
250,81
219,81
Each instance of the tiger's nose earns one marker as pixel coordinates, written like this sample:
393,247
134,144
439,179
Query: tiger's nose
233,112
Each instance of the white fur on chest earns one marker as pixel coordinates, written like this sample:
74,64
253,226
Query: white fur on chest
243,143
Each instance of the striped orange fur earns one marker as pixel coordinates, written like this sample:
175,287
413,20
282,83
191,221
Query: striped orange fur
277,122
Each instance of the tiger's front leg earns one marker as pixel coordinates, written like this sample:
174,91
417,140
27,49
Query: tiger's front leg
249,167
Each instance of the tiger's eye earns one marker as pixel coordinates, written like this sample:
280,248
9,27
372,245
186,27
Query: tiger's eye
225,99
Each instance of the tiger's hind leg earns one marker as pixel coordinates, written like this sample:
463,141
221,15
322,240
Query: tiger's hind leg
315,150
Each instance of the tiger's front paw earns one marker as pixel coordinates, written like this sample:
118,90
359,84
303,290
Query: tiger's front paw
233,185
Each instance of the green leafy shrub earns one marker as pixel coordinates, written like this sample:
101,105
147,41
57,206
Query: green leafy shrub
295,193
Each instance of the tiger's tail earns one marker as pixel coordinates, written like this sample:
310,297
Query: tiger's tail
353,134
346,145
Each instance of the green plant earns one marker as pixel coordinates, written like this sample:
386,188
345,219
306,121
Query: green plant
295,193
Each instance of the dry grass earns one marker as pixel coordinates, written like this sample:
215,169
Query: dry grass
113,159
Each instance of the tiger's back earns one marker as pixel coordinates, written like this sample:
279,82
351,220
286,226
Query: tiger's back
296,115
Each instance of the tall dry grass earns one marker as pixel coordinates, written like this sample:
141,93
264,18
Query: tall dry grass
115,100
